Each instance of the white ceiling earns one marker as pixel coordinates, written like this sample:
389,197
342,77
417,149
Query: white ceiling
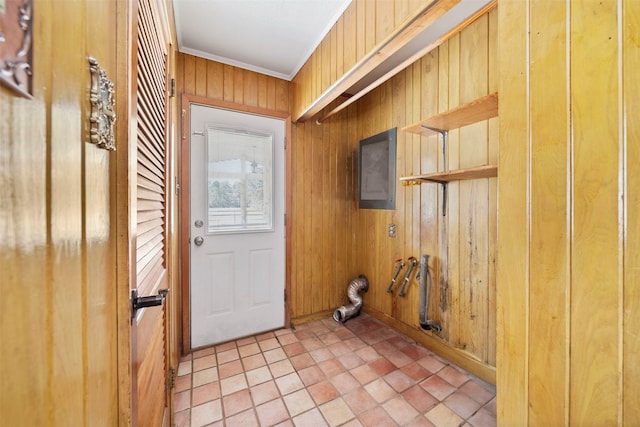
273,37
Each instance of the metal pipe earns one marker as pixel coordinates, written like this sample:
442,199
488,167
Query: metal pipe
425,296
360,284
395,276
412,265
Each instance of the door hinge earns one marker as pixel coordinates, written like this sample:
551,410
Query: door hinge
285,295
172,88
171,378
177,185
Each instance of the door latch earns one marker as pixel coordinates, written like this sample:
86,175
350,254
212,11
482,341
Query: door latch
150,301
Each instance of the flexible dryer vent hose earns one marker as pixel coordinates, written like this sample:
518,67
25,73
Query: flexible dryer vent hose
360,284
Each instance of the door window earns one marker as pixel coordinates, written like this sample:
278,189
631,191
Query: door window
239,181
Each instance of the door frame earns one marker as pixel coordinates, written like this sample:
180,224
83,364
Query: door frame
185,201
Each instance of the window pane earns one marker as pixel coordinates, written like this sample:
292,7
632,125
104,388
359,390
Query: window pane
239,180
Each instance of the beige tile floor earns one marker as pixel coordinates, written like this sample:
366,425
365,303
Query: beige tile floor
323,373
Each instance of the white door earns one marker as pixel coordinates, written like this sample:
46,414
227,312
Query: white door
237,224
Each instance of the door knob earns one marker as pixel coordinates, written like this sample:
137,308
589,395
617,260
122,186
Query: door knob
150,301
199,240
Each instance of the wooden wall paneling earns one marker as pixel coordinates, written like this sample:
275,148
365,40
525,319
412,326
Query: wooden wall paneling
326,245
384,19
370,25
336,212
412,194
250,88
416,214
229,82
400,11
238,86
513,223
441,290
430,212
282,96
215,81
309,243
271,94
453,202
473,209
317,233
492,152
550,166
349,38
631,296
333,53
324,67
594,393
384,258
261,89
189,74
361,20
399,100
201,76
338,34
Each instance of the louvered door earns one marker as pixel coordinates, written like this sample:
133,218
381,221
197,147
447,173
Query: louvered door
149,347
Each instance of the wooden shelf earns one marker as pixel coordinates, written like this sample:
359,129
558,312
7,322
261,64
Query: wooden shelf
487,171
472,112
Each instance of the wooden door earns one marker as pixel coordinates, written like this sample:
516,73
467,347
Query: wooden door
149,191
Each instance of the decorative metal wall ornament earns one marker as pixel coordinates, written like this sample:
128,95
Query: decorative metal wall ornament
103,114
15,45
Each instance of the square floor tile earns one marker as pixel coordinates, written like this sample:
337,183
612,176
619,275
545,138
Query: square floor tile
254,361
298,402
310,418
204,362
230,369
359,400
419,398
258,376
205,376
399,380
236,402
400,410
205,393
461,404
232,384
336,412
272,412
437,387
323,392
289,383
311,375
249,350
281,368
206,413
453,376
243,419
442,416
264,392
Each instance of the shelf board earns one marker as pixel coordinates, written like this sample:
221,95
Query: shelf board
487,171
480,109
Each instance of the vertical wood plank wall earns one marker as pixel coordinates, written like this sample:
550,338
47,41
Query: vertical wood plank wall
462,243
58,328
569,213
362,26
333,241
